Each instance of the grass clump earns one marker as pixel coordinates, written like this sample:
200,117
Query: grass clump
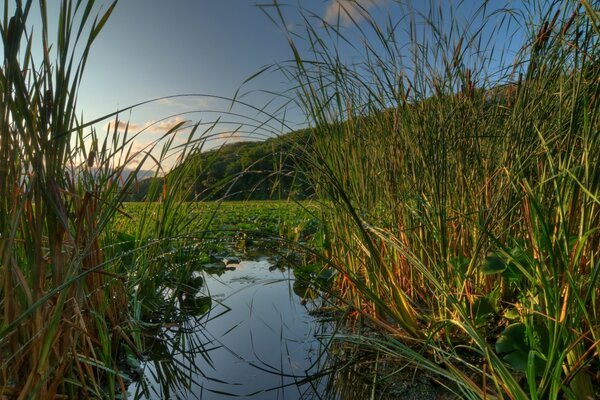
69,284
463,191
59,304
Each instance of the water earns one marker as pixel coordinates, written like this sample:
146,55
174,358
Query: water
258,342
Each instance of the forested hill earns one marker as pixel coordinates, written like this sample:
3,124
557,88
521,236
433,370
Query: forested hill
262,170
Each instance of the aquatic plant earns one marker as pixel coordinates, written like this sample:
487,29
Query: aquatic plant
462,188
67,279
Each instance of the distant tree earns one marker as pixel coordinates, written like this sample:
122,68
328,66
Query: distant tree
244,170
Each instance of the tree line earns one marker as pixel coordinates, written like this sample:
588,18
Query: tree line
265,170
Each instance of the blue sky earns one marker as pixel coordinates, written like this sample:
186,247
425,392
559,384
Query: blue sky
155,48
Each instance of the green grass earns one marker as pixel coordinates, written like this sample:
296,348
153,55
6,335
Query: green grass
464,200
459,204
58,302
276,218
79,287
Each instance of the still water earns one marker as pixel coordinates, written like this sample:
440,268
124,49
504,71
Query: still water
258,341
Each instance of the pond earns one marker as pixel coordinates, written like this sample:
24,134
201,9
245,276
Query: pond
258,341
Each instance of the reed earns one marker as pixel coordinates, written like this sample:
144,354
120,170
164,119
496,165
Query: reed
462,191
70,285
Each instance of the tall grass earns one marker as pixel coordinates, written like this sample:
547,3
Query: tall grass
463,190
76,295
59,304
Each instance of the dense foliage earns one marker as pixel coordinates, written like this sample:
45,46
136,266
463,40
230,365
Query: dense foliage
464,219
263,170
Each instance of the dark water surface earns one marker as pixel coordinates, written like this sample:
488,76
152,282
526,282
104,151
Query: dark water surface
258,342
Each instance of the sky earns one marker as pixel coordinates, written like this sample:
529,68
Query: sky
155,48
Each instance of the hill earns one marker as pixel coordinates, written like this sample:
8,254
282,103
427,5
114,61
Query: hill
264,170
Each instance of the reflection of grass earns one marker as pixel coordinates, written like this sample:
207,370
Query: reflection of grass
79,287
164,266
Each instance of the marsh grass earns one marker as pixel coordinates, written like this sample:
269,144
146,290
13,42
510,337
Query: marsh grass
59,303
461,203
77,296
462,191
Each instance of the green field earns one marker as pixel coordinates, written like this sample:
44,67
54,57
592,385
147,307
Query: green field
201,232
277,219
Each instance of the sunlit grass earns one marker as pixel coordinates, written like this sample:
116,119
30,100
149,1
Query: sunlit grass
460,204
464,200
78,293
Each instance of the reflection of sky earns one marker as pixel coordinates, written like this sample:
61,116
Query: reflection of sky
266,331
155,48
272,331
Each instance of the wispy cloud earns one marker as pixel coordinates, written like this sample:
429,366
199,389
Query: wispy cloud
158,127
186,103
348,10
138,153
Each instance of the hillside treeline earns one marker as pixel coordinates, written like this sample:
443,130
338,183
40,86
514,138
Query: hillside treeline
264,170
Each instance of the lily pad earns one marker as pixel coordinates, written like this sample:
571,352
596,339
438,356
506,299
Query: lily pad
231,260
214,267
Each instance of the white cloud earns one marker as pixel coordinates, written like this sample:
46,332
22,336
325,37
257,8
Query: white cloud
186,103
348,10
158,127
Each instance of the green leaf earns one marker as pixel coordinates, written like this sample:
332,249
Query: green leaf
493,265
126,242
517,359
98,27
512,339
132,361
511,313
483,309
326,275
520,352
539,339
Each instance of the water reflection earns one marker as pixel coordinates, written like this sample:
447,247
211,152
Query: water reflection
253,337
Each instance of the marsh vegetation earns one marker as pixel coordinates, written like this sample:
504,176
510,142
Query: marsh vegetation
463,191
453,224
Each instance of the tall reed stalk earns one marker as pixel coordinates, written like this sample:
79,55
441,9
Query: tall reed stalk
58,301
462,191
68,282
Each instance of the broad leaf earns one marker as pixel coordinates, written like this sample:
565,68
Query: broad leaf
493,265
